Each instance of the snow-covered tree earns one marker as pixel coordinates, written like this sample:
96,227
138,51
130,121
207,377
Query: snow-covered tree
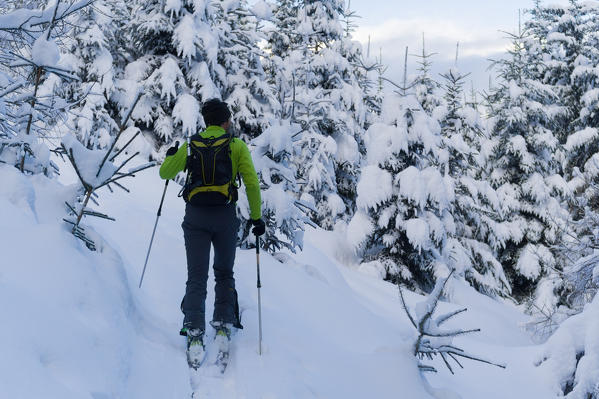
175,50
30,74
246,88
424,86
523,166
284,214
89,57
476,208
315,72
96,169
433,338
558,33
582,143
187,52
404,225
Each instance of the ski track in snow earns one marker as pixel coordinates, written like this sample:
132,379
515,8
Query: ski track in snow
329,331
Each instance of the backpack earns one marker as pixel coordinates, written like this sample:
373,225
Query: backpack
210,172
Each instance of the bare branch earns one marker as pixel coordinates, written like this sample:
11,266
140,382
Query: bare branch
122,128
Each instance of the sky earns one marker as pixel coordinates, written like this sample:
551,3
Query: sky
476,24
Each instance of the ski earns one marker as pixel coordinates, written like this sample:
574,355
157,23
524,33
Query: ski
196,351
222,340
222,360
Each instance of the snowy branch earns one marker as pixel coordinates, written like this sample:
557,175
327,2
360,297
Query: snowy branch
433,341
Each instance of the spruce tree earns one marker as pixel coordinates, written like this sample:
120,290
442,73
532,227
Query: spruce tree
245,88
404,226
583,142
314,68
175,49
523,168
90,58
188,52
424,86
582,147
476,208
284,214
553,45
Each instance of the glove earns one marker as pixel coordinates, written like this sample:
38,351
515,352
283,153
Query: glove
259,227
173,150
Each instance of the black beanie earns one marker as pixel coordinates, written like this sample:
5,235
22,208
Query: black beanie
215,112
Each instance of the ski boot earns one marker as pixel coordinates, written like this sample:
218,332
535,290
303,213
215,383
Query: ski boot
196,351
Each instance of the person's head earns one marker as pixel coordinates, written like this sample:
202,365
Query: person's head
216,113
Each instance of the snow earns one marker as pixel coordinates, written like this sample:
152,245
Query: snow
591,97
347,149
187,112
336,204
168,76
374,187
358,229
559,37
88,162
261,9
581,138
185,38
384,140
23,18
277,137
422,186
173,7
103,337
529,262
515,90
275,197
418,233
78,326
45,52
571,355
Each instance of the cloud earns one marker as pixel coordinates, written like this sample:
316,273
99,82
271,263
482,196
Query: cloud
477,45
441,36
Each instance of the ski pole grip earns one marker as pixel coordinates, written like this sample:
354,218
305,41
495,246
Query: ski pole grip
162,199
258,282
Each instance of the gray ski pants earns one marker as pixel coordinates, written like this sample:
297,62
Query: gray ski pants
203,226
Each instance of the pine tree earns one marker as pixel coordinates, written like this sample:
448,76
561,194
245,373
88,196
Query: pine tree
476,207
582,141
89,57
175,49
523,167
246,89
553,46
315,73
424,86
404,225
284,214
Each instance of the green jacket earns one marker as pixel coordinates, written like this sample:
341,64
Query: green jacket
242,164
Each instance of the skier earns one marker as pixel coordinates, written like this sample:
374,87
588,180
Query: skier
213,161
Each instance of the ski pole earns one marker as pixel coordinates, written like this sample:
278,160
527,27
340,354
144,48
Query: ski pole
259,285
153,232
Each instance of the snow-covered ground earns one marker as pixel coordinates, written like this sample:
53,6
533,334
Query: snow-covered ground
76,325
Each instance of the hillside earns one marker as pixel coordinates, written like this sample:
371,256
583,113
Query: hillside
79,326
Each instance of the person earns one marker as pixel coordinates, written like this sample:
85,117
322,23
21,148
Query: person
212,162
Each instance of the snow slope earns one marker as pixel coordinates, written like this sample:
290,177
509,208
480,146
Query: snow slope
76,325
